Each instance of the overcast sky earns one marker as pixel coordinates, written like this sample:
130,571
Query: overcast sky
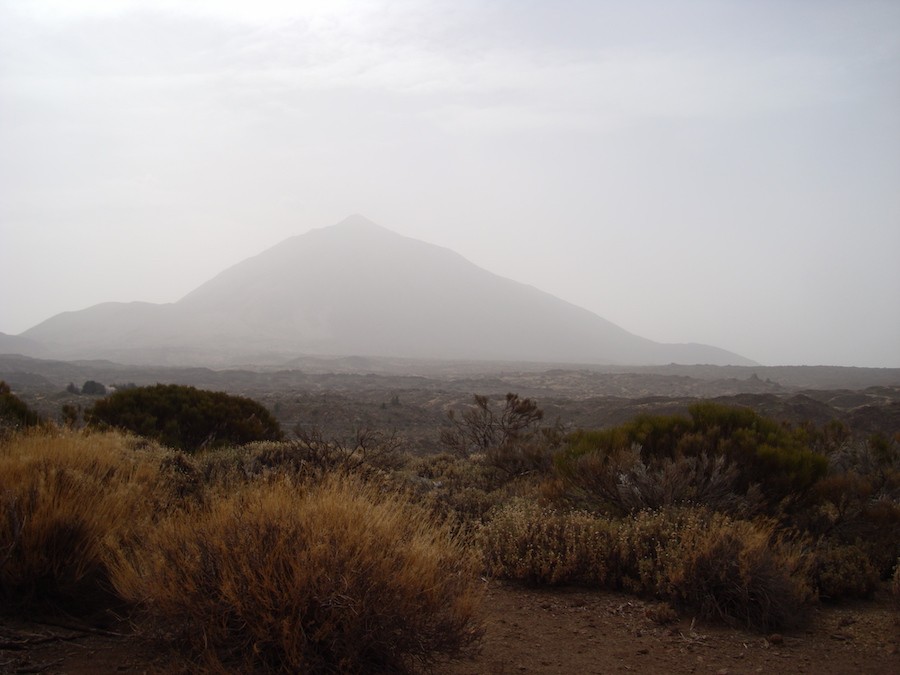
712,171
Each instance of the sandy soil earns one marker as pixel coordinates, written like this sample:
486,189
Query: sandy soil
536,631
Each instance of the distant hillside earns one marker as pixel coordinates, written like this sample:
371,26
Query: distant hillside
16,344
357,289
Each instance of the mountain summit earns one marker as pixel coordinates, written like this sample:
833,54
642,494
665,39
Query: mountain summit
357,289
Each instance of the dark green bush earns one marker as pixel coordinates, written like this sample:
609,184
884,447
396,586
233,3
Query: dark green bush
184,417
92,388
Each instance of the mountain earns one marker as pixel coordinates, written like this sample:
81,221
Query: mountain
16,344
357,289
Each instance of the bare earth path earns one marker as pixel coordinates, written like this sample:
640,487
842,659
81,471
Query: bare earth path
540,631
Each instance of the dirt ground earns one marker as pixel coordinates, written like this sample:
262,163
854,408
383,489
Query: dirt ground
536,631
578,631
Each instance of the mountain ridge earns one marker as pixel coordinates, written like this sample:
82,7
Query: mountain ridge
357,288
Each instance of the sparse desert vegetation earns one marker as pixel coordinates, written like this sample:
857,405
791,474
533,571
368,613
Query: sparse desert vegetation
276,573
349,553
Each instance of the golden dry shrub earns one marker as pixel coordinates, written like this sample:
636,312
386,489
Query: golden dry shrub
736,571
61,496
732,570
526,542
337,577
843,571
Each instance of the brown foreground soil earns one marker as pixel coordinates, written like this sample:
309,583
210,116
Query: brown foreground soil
579,631
535,631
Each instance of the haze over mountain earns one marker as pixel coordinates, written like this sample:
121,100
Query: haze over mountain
355,289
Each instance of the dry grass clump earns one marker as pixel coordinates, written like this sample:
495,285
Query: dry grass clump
464,489
734,570
61,496
539,545
843,571
737,571
331,578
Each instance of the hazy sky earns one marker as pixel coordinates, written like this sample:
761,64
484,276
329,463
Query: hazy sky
712,171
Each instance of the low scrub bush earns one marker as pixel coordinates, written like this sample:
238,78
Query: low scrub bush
733,570
842,571
331,578
717,454
542,546
484,425
736,571
622,482
523,457
858,503
505,440
464,489
366,449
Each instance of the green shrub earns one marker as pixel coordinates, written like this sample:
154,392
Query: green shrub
333,578
184,417
715,454
622,482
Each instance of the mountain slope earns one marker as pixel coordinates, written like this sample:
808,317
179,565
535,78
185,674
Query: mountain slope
358,289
